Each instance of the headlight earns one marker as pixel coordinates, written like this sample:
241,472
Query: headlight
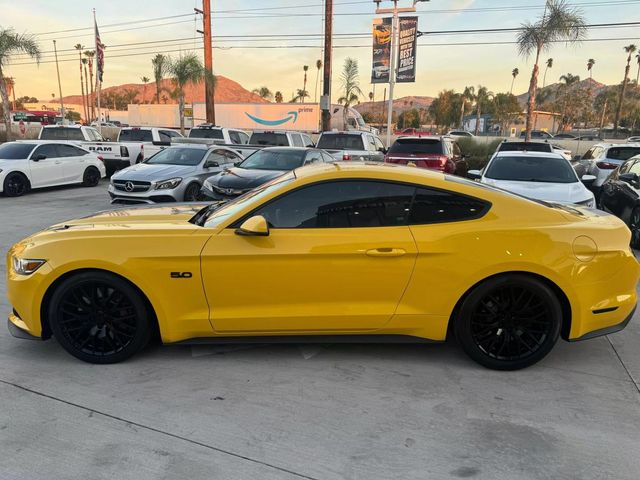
26,266
168,184
591,203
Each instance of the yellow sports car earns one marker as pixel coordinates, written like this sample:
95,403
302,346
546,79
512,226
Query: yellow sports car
336,252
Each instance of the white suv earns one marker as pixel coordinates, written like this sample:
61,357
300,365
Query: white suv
603,158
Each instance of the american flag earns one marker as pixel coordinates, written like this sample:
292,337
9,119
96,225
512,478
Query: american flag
99,53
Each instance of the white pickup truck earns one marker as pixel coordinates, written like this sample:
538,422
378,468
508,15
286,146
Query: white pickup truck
150,140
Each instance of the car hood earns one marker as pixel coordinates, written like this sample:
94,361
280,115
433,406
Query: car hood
550,192
150,173
243,179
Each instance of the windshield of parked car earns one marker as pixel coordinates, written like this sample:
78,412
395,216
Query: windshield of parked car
622,153
271,139
135,135
531,169
416,146
284,160
214,133
16,151
524,147
336,141
178,156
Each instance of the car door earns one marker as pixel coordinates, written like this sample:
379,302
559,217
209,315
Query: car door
74,162
338,258
377,155
627,194
46,171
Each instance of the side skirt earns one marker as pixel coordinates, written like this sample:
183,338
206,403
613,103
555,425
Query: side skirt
308,339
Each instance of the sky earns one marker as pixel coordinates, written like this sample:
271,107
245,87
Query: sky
278,63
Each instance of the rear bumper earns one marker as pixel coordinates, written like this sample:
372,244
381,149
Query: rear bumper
113,164
607,330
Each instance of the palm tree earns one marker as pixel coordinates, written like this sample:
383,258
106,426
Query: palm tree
590,63
160,66
318,67
12,43
90,103
467,96
304,87
350,86
638,74
86,80
185,69
514,73
547,67
482,97
630,50
144,80
79,47
299,96
278,96
559,23
263,92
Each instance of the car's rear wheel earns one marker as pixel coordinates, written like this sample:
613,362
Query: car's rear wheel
509,322
634,226
192,193
99,317
91,177
15,185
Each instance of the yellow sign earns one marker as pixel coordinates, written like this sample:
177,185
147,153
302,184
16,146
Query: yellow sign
188,112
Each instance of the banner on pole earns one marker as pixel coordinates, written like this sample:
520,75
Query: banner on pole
381,50
407,50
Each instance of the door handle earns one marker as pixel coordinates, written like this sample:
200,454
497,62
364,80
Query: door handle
386,252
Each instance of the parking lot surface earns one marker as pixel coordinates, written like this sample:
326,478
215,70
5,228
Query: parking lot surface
308,411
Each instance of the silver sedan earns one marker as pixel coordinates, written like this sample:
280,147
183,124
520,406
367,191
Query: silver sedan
175,174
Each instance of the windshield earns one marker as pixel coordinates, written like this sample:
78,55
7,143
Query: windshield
61,133
333,141
178,156
15,151
135,135
271,139
622,153
219,214
531,169
284,160
214,133
524,147
416,145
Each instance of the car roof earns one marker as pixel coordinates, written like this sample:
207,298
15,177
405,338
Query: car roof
63,142
343,132
64,126
529,154
290,149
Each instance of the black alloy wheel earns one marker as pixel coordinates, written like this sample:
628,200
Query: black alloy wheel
634,226
192,193
15,185
509,322
91,177
99,318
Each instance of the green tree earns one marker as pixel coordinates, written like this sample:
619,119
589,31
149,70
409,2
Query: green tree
559,23
263,92
144,80
483,97
304,86
350,85
299,96
590,63
185,69
160,66
12,43
630,50
444,109
278,97
90,100
467,97
318,67
85,105
548,65
514,73
505,109
72,116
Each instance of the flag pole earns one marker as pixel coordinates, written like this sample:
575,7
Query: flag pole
98,81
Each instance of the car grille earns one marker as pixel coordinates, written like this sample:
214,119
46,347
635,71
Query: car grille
131,186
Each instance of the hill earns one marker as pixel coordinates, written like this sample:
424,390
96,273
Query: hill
549,91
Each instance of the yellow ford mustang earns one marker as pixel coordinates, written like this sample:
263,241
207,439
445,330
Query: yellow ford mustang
336,252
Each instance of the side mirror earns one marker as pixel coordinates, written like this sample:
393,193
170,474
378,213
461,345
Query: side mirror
211,165
106,139
588,180
254,227
577,158
382,149
631,178
38,157
477,174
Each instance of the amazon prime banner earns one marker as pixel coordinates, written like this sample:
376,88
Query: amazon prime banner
381,50
407,50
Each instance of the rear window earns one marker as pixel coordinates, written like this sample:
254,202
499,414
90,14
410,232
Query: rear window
525,147
271,139
622,153
417,145
61,133
214,133
531,169
15,151
340,142
135,135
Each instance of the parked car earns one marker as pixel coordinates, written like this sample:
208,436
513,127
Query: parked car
259,168
30,164
337,251
352,145
435,153
460,133
522,146
620,195
148,140
104,124
601,159
635,139
540,176
565,136
537,134
175,174
220,134
280,138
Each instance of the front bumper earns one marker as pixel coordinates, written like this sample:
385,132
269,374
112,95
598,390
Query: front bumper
149,197
208,194
18,329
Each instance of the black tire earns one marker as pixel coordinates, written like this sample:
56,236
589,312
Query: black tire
15,185
99,317
192,192
91,177
634,226
509,322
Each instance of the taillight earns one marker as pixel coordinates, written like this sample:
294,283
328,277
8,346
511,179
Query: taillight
101,158
346,157
606,165
123,151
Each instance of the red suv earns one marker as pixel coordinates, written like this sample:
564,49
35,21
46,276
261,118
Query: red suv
436,153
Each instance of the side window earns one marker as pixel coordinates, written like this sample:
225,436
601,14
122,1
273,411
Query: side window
49,150
626,166
172,134
164,137
297,140
73,134
438,206
456,149
327,158
635,168
94,135
597,151
371,144
235,137
313,157
341,204
589,154
216,156
244,138
69,151
306,139
379,144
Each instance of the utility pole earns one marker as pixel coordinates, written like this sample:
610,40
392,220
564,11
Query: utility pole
55,50
325,101
209,90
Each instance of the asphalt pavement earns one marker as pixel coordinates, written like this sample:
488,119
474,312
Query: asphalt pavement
312,412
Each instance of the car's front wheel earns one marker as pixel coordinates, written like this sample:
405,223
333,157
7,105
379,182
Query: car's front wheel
15,185
509,322
192,193
99,317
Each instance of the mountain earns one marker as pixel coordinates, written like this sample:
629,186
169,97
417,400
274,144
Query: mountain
399,105
227,91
